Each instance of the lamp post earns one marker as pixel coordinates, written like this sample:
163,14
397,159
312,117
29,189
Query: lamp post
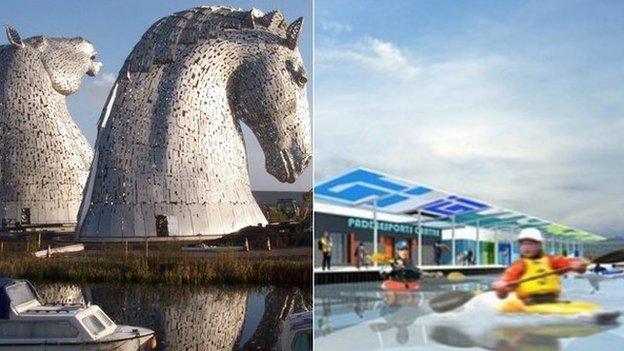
375,231
453,241
420,242
478,247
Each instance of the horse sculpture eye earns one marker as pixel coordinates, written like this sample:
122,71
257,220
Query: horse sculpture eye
92,57
302,80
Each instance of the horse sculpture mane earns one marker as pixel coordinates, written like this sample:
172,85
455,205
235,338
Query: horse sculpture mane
44,158
164,40
170,156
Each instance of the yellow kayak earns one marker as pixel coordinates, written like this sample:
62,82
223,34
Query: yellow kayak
589,311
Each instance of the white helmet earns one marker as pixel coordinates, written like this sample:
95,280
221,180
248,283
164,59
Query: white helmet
531,234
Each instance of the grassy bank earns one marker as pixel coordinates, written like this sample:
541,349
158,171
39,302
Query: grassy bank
164,266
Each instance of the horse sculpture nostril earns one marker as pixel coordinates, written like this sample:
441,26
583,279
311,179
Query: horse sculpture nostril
94,69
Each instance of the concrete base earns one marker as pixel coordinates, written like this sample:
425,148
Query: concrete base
350,274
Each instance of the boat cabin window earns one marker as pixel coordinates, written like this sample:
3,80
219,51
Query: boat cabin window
104,318
37,330
20,293
93,324
302,341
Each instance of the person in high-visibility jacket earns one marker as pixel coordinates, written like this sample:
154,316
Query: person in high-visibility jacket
533,262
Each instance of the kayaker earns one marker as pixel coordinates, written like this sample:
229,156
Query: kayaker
403,267
534,261
599,269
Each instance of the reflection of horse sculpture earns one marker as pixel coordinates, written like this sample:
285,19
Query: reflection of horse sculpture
44,158
170,156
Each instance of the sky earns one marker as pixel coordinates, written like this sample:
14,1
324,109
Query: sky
518,103
114,27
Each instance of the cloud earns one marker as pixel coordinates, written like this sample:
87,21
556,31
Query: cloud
506,129
374,54
335,27
95,90
86,105
104,80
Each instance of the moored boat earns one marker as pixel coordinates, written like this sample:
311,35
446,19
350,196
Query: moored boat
27,324
296,333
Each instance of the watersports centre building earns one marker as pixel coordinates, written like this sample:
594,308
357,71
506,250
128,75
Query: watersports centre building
440,227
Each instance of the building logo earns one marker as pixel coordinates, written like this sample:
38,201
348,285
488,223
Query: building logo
397,228
362,186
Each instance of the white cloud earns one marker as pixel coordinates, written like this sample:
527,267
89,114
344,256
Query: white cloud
473,124
335,27
373,54
105,80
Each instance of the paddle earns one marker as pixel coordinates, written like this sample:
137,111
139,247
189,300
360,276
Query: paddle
449,301
611,257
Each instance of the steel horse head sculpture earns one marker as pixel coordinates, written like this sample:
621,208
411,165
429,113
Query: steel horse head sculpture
170,156
44,157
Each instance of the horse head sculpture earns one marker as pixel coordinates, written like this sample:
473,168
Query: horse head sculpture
170,156
44,158
268,95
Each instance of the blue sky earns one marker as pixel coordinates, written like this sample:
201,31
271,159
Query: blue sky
518,103
114,27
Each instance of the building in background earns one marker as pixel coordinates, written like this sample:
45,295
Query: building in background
464,230
348,226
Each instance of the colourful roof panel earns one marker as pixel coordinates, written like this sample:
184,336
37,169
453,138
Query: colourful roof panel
362,187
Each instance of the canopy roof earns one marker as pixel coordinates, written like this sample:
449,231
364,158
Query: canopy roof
363,187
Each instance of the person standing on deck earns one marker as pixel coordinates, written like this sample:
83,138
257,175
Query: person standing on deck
360,256
325,245
437,252
533,262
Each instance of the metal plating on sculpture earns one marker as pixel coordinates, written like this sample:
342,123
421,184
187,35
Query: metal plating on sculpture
170,156
44,158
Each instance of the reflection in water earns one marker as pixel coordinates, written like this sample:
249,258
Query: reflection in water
515,338
185,318
358,316
61,294
400,311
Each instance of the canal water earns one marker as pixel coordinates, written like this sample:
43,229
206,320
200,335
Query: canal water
360,316
191,318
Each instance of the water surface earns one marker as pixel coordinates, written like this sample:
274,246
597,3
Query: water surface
360,316
191,318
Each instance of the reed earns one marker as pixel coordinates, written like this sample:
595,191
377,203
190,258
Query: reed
164,266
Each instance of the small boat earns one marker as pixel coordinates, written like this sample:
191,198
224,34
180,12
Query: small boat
580,310
608,273
27,324
210,248
63,249
487,303
400,286
296,333
401,279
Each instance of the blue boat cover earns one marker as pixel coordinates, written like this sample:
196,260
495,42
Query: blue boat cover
5,302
